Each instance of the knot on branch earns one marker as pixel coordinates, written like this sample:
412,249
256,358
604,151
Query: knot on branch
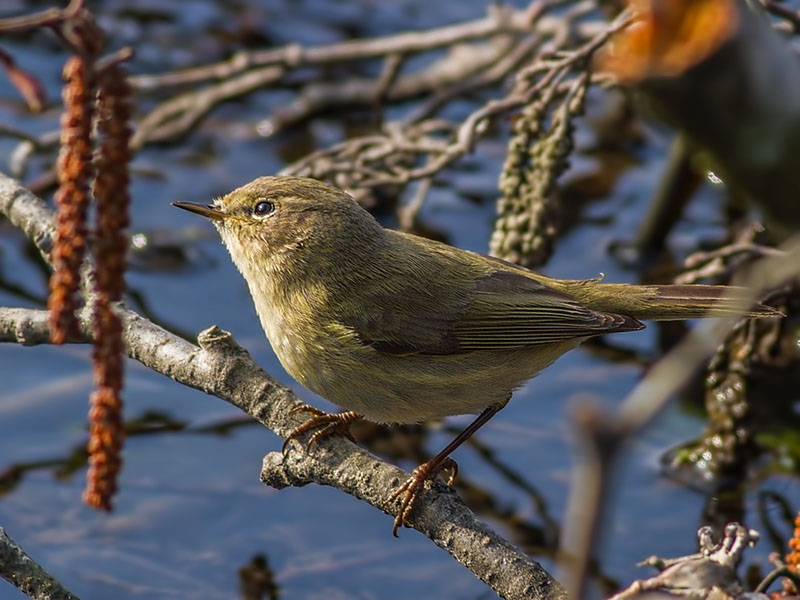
215,339
277,473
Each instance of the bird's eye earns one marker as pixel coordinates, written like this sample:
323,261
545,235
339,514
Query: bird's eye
263,208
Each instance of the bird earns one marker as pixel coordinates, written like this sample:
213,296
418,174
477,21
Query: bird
398,328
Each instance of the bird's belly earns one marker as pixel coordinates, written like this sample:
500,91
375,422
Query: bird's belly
402,389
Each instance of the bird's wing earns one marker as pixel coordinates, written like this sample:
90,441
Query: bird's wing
512,310
499,310
407,319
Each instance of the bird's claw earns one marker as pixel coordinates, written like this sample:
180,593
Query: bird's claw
413,488
328,423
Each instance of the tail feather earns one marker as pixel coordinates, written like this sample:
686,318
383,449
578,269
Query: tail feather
668,302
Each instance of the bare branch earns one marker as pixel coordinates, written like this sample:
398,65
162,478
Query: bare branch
178,115
390,158
45,18
26,574
500,20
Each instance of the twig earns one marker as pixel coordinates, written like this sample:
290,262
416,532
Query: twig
28,86
464,71
785,12
497,44
719,262
111,60
180,114
755,250
389,70
407,214
772,576
496,72
24,573
336,162
11,131
500,20
45,18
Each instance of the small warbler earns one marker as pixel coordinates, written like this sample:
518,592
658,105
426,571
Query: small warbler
397,328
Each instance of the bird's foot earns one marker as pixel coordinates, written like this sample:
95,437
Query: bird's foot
413,487
328,423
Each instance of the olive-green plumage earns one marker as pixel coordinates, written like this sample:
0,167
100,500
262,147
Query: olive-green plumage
401,328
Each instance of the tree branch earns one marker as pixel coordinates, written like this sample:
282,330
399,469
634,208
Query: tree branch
500,20
219,366
26,574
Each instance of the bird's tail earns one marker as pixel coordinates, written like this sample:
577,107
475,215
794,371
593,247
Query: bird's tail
666,302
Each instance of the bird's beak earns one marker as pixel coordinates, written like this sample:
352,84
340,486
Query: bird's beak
207,211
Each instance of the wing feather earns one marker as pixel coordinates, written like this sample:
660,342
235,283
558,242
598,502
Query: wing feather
505,310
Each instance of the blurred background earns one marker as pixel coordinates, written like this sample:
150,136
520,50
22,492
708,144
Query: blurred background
192,518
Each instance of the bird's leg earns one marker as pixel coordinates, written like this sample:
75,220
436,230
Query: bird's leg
413,485
327,422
